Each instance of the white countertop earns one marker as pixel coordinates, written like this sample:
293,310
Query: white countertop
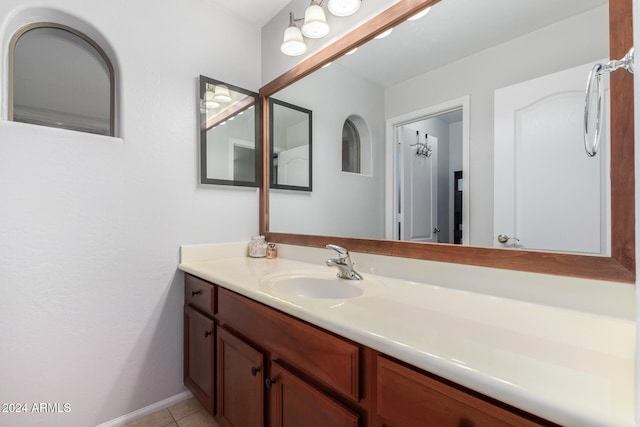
567,366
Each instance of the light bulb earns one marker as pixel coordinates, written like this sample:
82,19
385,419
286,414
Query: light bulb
420,14
209,101
315,22
343,7
293,43
221,94
385,34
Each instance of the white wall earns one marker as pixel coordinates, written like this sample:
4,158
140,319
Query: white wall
340,197
480,74
90,298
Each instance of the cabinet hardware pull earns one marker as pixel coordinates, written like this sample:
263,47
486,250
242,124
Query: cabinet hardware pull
254,371
269,382
207,333
194,293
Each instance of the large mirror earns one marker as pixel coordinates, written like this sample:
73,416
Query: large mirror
291,131
454,80
229,134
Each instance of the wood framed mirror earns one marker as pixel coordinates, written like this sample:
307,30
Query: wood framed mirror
618,265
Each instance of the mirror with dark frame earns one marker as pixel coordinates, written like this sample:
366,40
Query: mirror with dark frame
615,262
290,148
229,134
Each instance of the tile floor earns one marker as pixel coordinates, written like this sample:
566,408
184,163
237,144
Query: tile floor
188,413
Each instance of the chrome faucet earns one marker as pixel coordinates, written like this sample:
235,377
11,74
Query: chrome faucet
343,262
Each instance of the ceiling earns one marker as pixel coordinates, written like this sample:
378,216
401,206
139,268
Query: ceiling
255,11
452,30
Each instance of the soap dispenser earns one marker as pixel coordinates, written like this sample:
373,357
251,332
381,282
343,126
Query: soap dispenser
272,251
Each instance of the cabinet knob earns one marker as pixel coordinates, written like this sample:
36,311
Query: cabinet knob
207,334
254,371
194,293
269,382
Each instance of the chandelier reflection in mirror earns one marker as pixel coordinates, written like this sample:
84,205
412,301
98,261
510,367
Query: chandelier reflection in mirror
314,24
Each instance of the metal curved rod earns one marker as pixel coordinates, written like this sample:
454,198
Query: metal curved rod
595,78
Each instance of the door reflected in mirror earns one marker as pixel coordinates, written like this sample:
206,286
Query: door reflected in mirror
229,134
428,161
290,135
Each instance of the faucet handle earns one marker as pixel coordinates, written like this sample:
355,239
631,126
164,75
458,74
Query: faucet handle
339,249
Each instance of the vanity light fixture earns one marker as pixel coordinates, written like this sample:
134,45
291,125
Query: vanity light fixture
343,7
209,98
315,22
384,34
293,43
221,94
420,14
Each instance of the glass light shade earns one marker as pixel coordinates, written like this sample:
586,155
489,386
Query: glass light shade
420,14
385,34
209,101
343,7
293,43
315,22
222,94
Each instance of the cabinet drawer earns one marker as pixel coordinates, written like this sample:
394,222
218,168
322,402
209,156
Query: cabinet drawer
200,294
409,398
326,358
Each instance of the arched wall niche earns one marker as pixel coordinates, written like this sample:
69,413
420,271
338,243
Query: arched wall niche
25,16
366,142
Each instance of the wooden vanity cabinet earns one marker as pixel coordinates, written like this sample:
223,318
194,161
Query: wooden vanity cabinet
199,340
272,369
309,377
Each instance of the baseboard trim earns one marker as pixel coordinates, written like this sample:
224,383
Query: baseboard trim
147,410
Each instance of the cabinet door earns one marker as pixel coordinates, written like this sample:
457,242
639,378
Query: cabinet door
294,403
240,382
198,356
408,398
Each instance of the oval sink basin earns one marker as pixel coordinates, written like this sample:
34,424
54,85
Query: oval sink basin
324,286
